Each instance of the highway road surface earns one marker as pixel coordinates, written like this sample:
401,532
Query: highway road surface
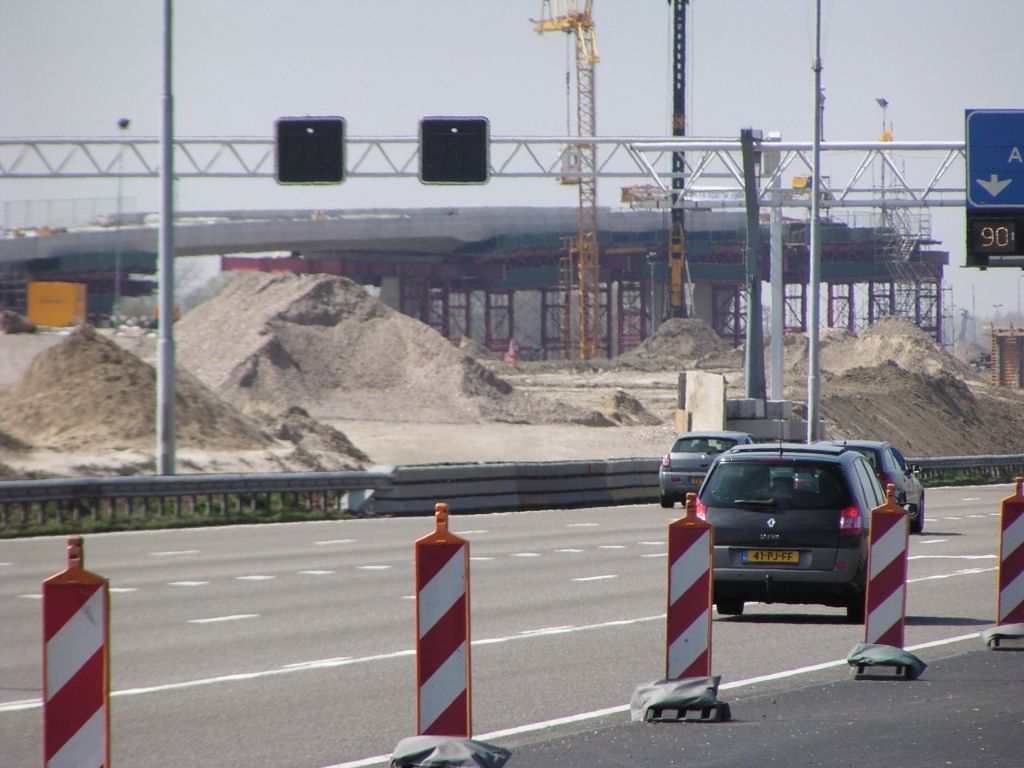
291,645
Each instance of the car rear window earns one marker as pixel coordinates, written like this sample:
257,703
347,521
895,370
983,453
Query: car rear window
782,485
868,454
702,445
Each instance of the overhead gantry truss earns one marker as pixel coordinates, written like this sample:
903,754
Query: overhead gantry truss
919,174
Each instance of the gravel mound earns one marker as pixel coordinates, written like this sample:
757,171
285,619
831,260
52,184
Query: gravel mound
624,409
89,393
678,343
320,342
923,415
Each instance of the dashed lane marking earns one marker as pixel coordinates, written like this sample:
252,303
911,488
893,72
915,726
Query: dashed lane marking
215,619
570,550
32,597
373,567
176,552
526,554
315,573
255,577
481,558
610,546
933,541
124,589
652,543
468,533
334,541
656,554
3,564
187,583
597,578
972,498
583,525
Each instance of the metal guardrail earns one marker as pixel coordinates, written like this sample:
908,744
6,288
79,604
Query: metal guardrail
403,490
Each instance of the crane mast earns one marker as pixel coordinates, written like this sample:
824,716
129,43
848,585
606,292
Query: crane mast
574,17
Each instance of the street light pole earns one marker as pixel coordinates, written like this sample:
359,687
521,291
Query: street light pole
813,380
166,390
123,124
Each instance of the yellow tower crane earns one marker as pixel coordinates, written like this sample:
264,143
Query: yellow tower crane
583,268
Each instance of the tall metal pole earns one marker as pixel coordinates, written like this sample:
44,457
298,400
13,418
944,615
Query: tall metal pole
755,333
123,124
678,122
813,378
165,385
771,163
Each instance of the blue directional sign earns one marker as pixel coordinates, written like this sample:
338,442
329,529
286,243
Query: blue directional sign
995,158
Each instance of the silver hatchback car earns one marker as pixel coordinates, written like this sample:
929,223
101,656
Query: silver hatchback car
684,466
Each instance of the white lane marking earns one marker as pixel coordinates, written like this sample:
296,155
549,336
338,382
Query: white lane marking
124,589
481,558
316,573
965,572
952,557
334,541
933,541
255,578
570,550
176,552
973,515
550,630
597,713
468,533
656,554
373,567
408,597
583,525
3,564
972,498
610,546
597,578
32,597
652,543
301,664
13,706
526,554
952,518
187,583
235,617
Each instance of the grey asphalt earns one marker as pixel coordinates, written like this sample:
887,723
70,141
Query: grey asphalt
321,671
965,711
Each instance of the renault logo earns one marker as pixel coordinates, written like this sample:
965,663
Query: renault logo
771,522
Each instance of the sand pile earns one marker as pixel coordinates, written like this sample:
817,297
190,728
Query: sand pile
89,393
678,343
475,349
322,343
923,415
624,409
295,425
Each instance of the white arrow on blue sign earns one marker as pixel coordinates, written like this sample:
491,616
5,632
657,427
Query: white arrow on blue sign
995,158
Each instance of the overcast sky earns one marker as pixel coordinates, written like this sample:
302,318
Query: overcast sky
74,67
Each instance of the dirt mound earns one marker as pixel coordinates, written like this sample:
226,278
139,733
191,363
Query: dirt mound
971,354
322,343
296,426
475,349
89,393
678,343
923,415
622,408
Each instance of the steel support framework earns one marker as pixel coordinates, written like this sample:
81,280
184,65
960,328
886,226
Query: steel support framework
712,170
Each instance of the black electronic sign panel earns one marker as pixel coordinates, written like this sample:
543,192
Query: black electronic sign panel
310,150
454,150
994,238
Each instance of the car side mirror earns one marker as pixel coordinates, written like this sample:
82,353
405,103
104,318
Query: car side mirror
913,469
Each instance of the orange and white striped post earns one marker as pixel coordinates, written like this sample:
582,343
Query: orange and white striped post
691,544
443,701
1010,599
887,573
76,666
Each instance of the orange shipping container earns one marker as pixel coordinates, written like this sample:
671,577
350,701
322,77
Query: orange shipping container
56,304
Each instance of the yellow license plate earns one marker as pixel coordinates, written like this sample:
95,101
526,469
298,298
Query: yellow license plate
696,480
771,556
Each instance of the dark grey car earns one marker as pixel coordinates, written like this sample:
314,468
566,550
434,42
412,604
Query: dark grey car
889,466
791,525
684,466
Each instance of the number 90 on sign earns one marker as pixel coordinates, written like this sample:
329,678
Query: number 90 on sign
993,236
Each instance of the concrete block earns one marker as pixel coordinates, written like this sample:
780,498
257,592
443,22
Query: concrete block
778,409
744,408
682,420
769,430
705,400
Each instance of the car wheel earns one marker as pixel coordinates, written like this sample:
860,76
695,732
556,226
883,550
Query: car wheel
916,519
729,606
667,503
855,609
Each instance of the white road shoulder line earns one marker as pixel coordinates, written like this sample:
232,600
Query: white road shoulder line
934,541
583,525
965,572
468,533
235,617
545,724
952,557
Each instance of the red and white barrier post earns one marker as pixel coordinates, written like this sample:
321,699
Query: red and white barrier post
443,702
889,540
1010,595
691,544
76,666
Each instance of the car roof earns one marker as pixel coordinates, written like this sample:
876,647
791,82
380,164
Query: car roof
721,434
876,444
786,450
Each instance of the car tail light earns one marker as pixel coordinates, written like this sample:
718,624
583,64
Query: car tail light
851,523
702,510
666,462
